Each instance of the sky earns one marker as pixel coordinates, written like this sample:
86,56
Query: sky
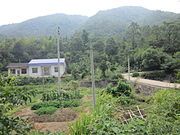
14,11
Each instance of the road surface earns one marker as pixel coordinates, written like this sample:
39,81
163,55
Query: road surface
152,82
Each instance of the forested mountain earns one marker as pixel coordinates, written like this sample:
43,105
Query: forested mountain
151,43
109,22
44,26
116,20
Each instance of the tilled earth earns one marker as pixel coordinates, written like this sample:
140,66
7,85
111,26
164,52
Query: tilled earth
58,121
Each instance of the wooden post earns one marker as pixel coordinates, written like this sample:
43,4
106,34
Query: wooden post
125,120
140,113
130,114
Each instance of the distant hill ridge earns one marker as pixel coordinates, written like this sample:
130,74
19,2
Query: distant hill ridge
105,22
44,26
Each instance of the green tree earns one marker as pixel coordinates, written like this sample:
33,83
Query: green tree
103,67
85,38
151,59
133,34
111,47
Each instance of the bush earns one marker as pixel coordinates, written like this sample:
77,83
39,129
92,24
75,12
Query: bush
156,75
46,110
134,127
85,124
121,89
178,77
104,126
13,126
164,117
135,74
126,100
20,81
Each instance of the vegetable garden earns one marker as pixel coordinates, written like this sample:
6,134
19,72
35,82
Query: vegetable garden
39,109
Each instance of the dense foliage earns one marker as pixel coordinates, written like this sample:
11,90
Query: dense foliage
11,96
162,117
149,47
122,89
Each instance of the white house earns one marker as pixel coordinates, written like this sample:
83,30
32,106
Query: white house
38,68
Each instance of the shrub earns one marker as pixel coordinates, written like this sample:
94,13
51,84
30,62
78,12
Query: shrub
80,126
135,74
164,116
85,124
126,100
13,126
134,127
121,89
104,126
178,77
156,75
46,110
20,80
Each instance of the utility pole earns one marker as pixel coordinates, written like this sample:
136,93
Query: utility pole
43,77
128,68
58,53
92,75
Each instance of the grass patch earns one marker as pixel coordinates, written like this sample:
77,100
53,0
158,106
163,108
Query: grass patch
46,110
57,104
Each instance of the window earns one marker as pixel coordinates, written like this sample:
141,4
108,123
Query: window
23,71
34,70
46,70
13,71
55,69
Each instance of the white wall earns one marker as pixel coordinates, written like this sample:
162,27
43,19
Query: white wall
62,70
52,72
38,74
16,71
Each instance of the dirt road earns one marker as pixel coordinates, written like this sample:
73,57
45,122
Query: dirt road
152,82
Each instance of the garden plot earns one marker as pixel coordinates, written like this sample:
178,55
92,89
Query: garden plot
59,121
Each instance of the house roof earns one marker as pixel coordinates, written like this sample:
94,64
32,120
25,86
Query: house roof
46,61
16,65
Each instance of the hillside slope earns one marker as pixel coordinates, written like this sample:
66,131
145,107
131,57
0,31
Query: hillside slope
113,21
104,23
44,26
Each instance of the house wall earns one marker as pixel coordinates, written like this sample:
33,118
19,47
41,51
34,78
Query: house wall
62,70
52,71
16,71
39,71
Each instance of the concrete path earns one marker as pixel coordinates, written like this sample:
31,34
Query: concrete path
152,82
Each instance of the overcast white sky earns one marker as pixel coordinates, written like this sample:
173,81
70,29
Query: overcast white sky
13,11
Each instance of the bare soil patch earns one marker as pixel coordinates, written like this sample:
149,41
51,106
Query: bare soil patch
52,126
59,121
61,115
25,113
